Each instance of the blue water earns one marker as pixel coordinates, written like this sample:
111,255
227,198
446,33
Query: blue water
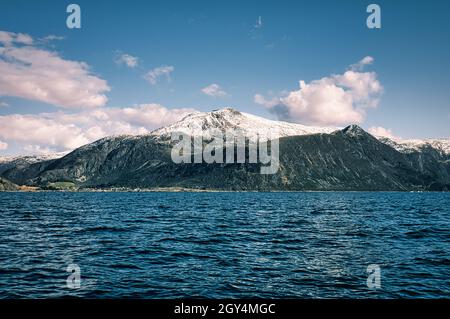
167,245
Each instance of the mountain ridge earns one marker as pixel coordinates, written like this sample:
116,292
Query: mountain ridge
285,129
345,159
230,119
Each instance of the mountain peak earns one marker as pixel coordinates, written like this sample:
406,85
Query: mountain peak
202,123
354,130
226,110
217,113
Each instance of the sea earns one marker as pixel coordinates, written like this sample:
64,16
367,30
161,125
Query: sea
224,245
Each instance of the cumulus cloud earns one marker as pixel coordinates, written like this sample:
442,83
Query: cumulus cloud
3,146
335,100
35,129
59,131
127,59
37,74
214,90
153,75
379,131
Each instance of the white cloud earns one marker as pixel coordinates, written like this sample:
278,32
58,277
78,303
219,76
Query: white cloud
4,104
153,75
41,75
37,150
3,146
127,59
41,130
6,38
214,90
362,63
382,132
59,131
260,99
24,39
10,38
334,100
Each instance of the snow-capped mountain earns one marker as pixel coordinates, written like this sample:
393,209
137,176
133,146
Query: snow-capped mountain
417,145
248,125
30,159
245,124
203,123
7,162
312,158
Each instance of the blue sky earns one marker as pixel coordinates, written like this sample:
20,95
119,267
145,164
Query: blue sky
246,48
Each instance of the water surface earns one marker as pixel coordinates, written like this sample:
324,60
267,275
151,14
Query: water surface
225,245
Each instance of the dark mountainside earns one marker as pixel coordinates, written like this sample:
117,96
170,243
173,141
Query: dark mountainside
348,159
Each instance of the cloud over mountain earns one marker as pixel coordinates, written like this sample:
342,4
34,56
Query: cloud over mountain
382,132
338,99
59,131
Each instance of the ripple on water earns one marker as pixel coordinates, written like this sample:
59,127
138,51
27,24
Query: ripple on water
166,245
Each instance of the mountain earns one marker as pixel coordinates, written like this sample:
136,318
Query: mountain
246,124
417,145
310,159
7,162
6,185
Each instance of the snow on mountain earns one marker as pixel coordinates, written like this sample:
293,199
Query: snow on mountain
7,162
31,159
203,123
248,125
416,145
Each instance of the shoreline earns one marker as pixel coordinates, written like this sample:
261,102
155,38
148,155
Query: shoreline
195,190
